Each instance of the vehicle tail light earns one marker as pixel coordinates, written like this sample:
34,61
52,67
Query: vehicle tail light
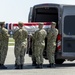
59,42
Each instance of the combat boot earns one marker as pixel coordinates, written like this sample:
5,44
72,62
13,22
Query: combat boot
38,66
21,66
52,65
41,66
17,67
0,66
3,67
34,63
15,64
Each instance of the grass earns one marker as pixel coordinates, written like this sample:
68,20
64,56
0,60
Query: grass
11,42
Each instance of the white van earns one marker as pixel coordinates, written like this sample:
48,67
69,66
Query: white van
64,16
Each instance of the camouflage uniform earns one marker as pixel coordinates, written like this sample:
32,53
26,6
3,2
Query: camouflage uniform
20,37
3,45
51,44
39,44
33,52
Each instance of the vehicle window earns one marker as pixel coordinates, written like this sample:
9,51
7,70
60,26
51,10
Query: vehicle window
69,25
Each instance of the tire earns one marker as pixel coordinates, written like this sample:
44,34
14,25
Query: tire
59,61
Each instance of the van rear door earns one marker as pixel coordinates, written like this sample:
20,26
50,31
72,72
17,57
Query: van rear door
68,31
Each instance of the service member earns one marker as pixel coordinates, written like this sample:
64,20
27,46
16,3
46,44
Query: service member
4,37
20,37
39,44
51,44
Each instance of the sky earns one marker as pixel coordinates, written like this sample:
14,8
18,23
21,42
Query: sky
13,11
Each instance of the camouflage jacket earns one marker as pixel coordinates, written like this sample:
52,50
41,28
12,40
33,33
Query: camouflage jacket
5,34
39,37
20,36
51,36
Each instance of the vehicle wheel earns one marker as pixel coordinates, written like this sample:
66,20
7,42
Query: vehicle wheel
59,61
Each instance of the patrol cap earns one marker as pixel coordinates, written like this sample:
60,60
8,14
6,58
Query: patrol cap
40,23
2,23
53,23
20,24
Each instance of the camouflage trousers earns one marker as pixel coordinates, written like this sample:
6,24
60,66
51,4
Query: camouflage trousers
39,54
51,54
19,54
33,56
3,53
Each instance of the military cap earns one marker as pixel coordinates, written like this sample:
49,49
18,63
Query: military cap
41,23
53,23
20,23
2,23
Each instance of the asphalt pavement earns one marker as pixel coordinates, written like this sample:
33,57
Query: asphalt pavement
67,68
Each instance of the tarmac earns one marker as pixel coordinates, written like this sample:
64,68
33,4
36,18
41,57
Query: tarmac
64,69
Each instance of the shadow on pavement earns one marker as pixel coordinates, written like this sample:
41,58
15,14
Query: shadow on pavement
29,66
66,65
